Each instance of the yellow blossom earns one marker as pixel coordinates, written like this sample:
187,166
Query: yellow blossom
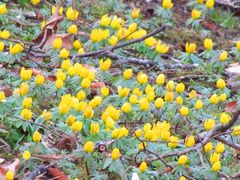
89,147
36,137
135,13
196,14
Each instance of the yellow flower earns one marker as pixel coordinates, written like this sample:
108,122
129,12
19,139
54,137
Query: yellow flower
216,166
70,120
113,40
196,13
105,20
88,113
173,142
182,160
199,1
224,118
184,111
208,147
147,126
117,22
126,107
57,43
26,155
167,4
236,131
180,88
138,133
143,167
81,95
54,10
63,108
209,124
159,103
105,65
223,97
220,148
64,53
77,126
43,24
3,9
198,104
72,14
214,157
132,27
123,92
142,145
127,74
73,29
238,45
190,48
39,80
81,51
190,141
160,79
23,89
27,102
89,147
47,115
25,74
214,99
2,96
61,75
35,2
5,34
36,137
208,44
142,78
182,178
179,100
223,56
104,91
9,175
17,48
66,64
133,99
169,96
209,4
162,48
115,154
26,114
1,46
109,123
151,41
85,83
94,128
221,84
144,104
135,13
59,84
192,94
77,44
170,86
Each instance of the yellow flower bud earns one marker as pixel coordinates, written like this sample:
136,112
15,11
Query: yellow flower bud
142,78
127,74
3,9
77,44
25,74
85,83
113,40
39,80
223,56
26,114
162,48
35,2
216,166
220,148
2,96
170,86
167,4
159,102
73,29
180,88
105,65
214,99
1,46
209,124
182,160
208,147
223,97
184,111
36,137
143,167
57,43
72,14
105,20
138,133
238,45
47,115
236,130
94,128
126,107
221,84
190,48
135,13
64,53
208,44
210,4
9,175
104,91
224,118
59,84
23,89
5,34
27,102
115,154
160,79
214,157
173,142
179,100
133,99
169,96
89,147
144,104
88,113
198,104
141,145
196,14
151,41
70,120
190,141
192,94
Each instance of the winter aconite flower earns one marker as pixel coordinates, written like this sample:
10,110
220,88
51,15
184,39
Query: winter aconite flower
236,131
196,14
72,14
223,56
182,160
208,44
135,13
208,147
173,142
9,175
76,126
184,111
210,4
35,2
26,114
113,40
2,96
167,4
36,137
198,104
105,20
64,53
214,157
89,147
224,118
94,128
57,43
180,87
115,154
143,167
73,29
216,166
221,84
27,102
209,124
3,9
2,46
39,80
105,65
26,155
25,74
190,48
220,148
190,141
